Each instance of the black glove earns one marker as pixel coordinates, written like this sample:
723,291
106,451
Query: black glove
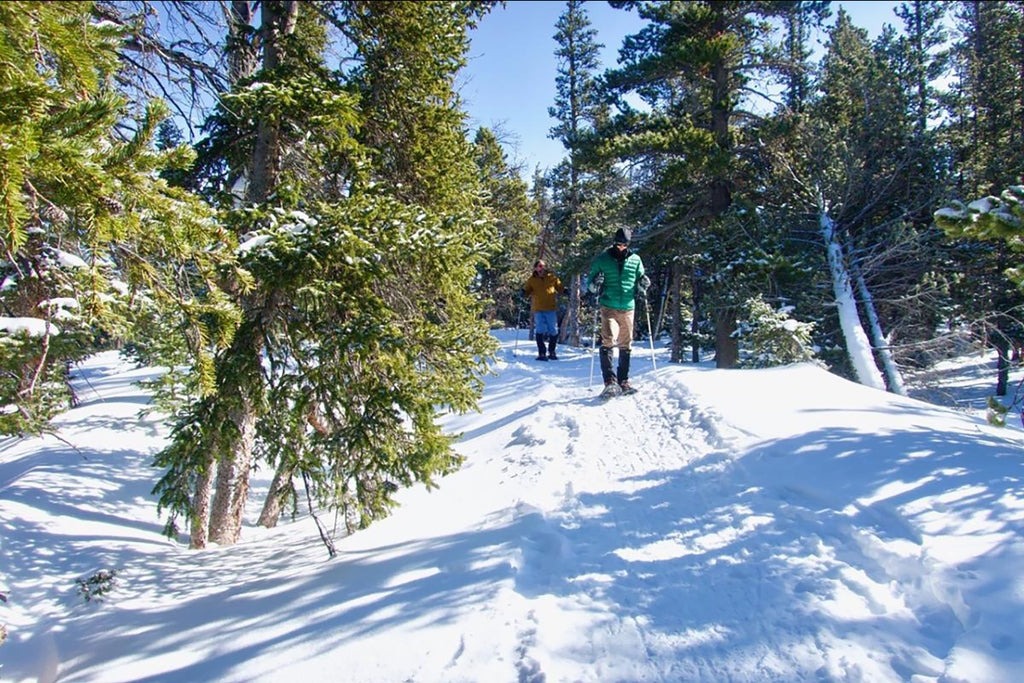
595,285
641,288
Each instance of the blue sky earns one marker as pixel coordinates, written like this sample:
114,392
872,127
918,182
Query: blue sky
509,82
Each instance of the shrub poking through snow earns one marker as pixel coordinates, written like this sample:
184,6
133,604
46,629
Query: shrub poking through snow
98,585
773,337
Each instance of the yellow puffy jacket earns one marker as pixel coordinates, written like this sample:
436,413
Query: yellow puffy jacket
542,290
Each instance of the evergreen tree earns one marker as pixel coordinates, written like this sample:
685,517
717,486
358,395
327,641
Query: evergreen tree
514,213
95,241
799,19
985,105
360,243
690,66
988,100
578,106
775,338
868,173
926,58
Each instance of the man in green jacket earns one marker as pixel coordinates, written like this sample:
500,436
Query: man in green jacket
618,274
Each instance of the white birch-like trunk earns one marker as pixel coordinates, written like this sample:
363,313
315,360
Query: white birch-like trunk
857,344
892,373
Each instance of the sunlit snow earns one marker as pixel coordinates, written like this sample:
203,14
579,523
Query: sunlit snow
720,525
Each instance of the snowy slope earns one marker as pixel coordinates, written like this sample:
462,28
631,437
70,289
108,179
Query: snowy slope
737,525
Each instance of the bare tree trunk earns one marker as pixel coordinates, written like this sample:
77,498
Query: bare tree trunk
857,345
574,332
278,21
1002,347
232,489
201,507
241,48
271,512
232,486
727,346
663,300
677,314
892,373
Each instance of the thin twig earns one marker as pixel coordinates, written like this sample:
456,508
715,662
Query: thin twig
331,550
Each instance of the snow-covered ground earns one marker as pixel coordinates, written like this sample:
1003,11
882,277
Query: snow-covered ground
740,525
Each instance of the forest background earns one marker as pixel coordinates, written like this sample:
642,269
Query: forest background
320,268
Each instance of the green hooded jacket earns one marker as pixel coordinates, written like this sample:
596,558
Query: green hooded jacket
620,278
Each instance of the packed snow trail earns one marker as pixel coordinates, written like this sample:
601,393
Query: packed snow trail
758,567
716,526
631,534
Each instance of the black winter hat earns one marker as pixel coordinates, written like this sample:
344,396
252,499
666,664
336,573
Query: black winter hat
623,236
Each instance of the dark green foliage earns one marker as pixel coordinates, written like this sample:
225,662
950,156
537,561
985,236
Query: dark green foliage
359,367
690,66
96,587
773,337
513,251
89,231
587,192
987,102
359,324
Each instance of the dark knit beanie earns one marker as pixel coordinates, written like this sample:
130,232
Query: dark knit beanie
623,236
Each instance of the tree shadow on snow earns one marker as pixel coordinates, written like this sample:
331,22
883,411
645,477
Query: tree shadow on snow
803,541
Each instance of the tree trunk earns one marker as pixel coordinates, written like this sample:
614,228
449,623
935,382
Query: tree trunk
857,345
677,314
892,373
574,334
201,507
271,512
232,489
663,299
727,346
278,21
241,48
243,367
1002,364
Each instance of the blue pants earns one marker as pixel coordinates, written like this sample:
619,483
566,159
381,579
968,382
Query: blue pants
545,322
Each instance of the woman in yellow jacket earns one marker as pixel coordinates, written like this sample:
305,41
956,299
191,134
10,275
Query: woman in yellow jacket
543,288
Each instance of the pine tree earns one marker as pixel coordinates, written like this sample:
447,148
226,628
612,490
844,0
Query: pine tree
95,241
578,107
774,337
985,105
509,262
988,100
866,171
799,19
360,242
690,66
976,226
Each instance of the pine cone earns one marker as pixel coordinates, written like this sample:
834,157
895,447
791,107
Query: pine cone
54,215
114,207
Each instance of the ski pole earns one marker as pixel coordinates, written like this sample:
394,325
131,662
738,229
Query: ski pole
650,334
519,322
593,345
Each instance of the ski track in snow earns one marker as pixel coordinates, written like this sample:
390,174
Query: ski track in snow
677,515
597,550
681,549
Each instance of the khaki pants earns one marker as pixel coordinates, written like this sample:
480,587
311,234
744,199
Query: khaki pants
616,328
